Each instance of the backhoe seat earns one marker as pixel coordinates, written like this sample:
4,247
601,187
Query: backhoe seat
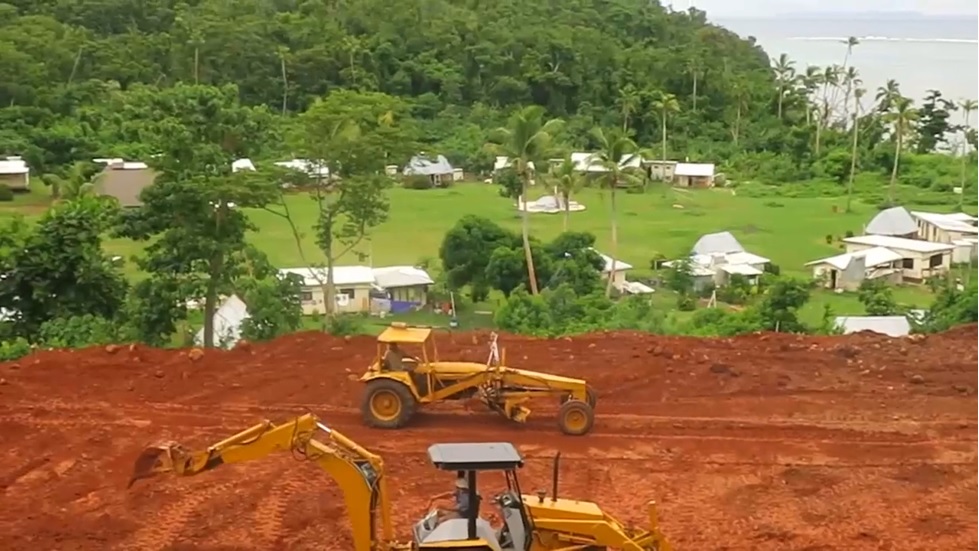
457,529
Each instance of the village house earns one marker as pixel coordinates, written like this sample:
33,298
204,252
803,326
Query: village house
124,180
957,229
659,170
15,174
438,169
715,257
618,276
693,175
406,286
352,286
502,163
920,259
849,270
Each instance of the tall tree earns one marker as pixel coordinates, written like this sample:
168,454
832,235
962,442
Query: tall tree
527,140
629,100
784,74
346,139
665,104
567,181
968,107
192,215
901,117
887,95
858,93
616,152
933,125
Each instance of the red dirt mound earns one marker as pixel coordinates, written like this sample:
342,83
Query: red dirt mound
767,441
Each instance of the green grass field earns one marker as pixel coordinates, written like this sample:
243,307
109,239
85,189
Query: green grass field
789,231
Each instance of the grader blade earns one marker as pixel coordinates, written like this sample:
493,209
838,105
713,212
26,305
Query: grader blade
156,460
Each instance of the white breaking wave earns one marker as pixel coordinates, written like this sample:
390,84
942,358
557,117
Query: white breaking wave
886,39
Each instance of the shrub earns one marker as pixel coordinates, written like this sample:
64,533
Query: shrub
14,349
6,194
342,325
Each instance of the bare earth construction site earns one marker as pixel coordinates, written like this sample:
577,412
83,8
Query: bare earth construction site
758,442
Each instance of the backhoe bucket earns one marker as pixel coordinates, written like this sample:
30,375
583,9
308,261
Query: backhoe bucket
155,460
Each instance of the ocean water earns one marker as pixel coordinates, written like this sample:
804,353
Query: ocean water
921,53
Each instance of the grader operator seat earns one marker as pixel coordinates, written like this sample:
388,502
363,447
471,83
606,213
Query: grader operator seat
392,343
472,459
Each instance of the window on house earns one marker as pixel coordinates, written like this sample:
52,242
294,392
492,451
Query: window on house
306,296
907,263
349,292
935,261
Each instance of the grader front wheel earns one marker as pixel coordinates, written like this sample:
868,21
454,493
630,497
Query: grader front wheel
387,404
575,418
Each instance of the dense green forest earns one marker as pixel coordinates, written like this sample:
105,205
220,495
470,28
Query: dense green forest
463,66
190,86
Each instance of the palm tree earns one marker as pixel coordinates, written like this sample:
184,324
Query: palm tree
74,184
968,106
615,153
665,104
851,79
851,43
810,83
526,139
784,74
857,94
567,181
886,95
901,117
629,99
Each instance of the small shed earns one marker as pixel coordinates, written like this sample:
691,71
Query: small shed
227,323
699,175
15,174
438,169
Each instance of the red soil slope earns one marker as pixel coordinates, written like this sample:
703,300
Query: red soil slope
771,442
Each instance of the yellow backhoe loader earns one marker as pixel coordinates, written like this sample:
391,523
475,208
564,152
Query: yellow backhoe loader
529,523
399,382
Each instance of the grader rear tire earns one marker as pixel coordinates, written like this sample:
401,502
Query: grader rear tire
387,404
575,418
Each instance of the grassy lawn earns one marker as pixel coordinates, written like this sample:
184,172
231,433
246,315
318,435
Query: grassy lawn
789,231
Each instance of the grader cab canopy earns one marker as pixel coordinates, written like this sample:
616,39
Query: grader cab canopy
408,375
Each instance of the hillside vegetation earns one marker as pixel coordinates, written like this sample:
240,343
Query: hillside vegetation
189,87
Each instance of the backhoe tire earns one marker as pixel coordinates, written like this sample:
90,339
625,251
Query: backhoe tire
575,418
589,392
387,404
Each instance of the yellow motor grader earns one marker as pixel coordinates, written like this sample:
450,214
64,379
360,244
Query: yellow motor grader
407,374
529,522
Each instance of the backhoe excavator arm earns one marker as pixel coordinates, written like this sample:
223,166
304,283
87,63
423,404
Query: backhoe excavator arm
358,472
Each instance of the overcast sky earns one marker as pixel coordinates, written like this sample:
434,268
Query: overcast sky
753,8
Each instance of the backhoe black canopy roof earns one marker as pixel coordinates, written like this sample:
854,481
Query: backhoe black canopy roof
488,456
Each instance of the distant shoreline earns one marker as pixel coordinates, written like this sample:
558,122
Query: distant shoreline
853,16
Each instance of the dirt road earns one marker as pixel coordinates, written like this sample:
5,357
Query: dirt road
764,442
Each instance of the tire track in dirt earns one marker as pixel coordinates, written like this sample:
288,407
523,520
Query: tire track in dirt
634,427
268,517
161,531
